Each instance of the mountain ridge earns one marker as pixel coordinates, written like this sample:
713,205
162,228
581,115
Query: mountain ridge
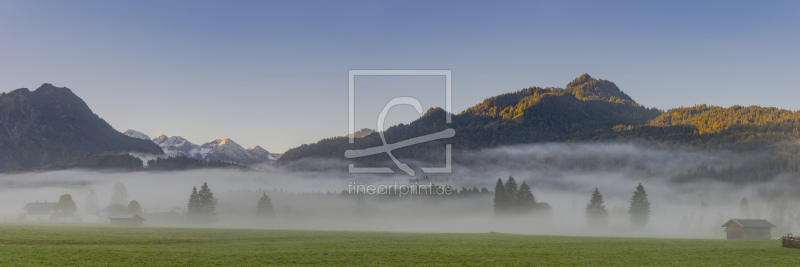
225,150
588,109
50,125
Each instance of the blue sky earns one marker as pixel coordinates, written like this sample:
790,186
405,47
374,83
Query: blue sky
274,73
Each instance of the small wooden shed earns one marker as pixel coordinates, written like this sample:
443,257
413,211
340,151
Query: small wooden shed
38,210
126,220
748,229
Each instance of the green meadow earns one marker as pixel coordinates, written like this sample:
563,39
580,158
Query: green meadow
25,245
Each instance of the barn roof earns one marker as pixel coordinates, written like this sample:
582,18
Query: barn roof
40,206
125,216
750,223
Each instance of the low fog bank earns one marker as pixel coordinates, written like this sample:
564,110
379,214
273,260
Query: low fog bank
562,175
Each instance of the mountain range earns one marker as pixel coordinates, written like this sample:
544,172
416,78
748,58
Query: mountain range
586,110
51,126
225,150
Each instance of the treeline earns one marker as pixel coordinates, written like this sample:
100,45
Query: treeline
736,128
713,119
124,161
185,163
761,166
429,191
512,200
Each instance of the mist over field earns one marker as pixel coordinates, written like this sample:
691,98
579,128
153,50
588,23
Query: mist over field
560,174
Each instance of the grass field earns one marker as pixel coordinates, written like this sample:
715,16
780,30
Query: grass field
105,245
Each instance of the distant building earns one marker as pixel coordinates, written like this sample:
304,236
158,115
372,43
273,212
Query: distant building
38,211
126,220
748,229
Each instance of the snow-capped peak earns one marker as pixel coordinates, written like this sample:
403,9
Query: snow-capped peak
136,134
259,153
226,141
160,139
220,149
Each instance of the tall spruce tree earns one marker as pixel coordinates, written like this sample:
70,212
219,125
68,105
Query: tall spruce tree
265,206
499,198
193,208
640,208
525,199
511,194
596,213
207,202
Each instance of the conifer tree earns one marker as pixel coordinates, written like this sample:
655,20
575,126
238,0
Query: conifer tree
511,194
207,202
192,209
640,208
265,206
525,199
596,213
499,198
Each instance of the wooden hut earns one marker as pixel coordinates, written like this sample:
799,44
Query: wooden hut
126,220
38,210
748,229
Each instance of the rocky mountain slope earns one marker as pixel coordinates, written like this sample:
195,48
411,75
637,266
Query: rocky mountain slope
52,124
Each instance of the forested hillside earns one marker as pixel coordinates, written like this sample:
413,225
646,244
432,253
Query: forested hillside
52,125
587,109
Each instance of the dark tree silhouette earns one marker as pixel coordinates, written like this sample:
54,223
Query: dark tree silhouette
208,204
596,213
525,199
500,202
640,208
265,206
193,208
66,206
511,194
202,205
